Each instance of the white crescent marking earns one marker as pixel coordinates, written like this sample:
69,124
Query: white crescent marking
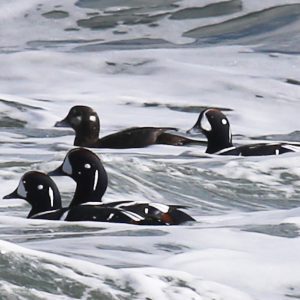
21,190
67,168
205,123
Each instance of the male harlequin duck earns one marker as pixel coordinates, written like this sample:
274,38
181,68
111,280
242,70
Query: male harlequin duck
215,126
85,121
86,169
40,191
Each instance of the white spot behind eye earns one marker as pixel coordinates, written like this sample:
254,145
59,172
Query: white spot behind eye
277,152
51,196
40,187
93,118
224,121
205,125
79,118
21,189
67,168
87,166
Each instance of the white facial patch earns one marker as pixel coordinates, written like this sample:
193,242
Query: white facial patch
51,196
96,179
78,119
67,168
205,125
40,187
21,190
87,166
93,118
224,122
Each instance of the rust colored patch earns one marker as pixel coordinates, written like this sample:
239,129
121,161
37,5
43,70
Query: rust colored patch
167,218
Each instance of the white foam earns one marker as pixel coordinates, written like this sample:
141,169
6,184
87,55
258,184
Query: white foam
215,258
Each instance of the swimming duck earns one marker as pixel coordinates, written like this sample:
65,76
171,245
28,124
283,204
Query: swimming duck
41,192
86,169
215,126
85,121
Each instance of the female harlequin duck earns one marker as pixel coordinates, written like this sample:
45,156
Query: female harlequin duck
86,169
40,191
215,126
85,121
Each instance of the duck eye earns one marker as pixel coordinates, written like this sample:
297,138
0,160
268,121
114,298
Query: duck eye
87,166
224,121
40,187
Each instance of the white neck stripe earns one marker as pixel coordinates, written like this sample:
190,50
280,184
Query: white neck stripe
51,196
96,179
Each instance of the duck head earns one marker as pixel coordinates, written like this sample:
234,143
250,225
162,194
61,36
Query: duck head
85,121
39,190
86,169
215,126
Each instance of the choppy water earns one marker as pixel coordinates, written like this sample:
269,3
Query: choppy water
154,63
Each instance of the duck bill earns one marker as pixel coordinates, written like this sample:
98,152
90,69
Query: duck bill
13,195
56,172
62,123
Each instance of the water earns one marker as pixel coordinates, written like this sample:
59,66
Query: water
153,63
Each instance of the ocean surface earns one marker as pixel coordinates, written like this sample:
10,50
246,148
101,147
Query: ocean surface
154,63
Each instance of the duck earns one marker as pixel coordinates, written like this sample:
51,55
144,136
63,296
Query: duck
86,169
216,127
86,124
41,192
